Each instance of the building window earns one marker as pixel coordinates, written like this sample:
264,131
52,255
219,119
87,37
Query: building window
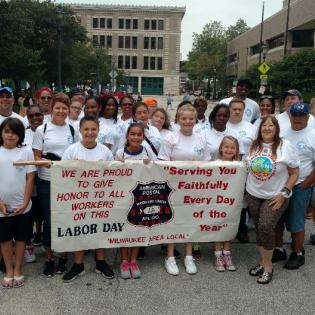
134,62
95,22
255,49
109,23
145,62
127,42
127,62
120,62
146,24
146,43
160,25
276,42
135,24
153,25
120,23
95,40
152,63
134,42
160,43
153,43
232,58
120,41
102,40
303,38
109,40
102,23
128,24
159,63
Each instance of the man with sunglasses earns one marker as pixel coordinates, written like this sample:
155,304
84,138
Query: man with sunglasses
6,105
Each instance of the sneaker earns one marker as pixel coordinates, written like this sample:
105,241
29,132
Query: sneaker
171,266
29,254
256,271
190,265
37,240
219,263
134,269
124,270
141,253
278,255
228,263
312,238
295,261
49,268
103,268
61,267
75,271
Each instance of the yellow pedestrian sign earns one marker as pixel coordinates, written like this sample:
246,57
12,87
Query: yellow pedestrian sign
263,68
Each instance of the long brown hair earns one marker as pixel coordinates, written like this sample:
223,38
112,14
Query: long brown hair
257,144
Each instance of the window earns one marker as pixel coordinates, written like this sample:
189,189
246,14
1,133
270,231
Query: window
95,22
120,41
152,63
161,25
159,63
146,24
128,24
102,23
109,41
121,23
303,38
160,43
232,58
109,23
127,62
135,24
255,49
120,62
153,25
102,40
134,62
95,40
146,43
276,42
145,62
153,43
134,42
127,42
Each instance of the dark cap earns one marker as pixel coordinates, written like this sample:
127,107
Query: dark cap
300,108
293,92
244,82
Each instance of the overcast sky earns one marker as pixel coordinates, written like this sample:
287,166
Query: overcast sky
200,12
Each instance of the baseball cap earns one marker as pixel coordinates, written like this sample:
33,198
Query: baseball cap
150,101
6,89
292,92
300,108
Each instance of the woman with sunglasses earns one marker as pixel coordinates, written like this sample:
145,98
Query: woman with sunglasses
43,100
126,105
266,106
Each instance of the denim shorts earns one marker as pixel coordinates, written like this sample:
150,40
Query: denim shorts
296,211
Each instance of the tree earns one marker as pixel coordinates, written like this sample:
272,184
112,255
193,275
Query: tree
239,28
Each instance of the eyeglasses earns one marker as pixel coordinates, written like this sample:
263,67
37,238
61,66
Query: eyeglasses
129,104
77,108
30,116
46,98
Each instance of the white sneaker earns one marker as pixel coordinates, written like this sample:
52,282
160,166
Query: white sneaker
29,254
171,266
190,265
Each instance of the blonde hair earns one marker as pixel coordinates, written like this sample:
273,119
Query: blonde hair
186,108
235,141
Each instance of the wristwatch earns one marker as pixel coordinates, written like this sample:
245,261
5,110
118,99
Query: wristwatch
286,192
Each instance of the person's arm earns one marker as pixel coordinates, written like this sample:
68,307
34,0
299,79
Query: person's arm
309,180
30,177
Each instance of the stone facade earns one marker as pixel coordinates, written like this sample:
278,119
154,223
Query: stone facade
144,41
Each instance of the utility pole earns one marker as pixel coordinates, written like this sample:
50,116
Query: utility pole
287,30
261,32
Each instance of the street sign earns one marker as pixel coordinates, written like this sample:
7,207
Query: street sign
264,76
113,74
263,68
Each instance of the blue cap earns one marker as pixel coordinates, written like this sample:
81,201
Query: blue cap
6,89
300,108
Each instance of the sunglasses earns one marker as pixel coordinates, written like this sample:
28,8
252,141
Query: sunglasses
129,104
37,115
74,107
46,98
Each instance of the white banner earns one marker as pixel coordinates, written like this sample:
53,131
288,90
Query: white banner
116,204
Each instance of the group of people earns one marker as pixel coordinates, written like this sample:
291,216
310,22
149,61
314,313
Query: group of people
279,153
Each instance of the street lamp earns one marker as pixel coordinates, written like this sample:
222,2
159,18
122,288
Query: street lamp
97,47
264,50
113,73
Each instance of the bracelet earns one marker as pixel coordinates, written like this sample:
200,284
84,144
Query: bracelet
286,192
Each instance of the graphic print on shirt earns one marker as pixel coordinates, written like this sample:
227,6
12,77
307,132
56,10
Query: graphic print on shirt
150,204
199,150
263,165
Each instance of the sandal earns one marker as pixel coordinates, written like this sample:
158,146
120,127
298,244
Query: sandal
7,282
265,278
18,281
256,271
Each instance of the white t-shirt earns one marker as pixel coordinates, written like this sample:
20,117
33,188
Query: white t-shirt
127,122
251,111
164,133
77,151
153,134
14,115
202,124
304,142
143,153
285,123
178,147
55,140
29,136
105,134
267,176
246,133
13,178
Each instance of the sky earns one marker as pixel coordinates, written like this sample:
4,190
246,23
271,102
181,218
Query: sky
200,12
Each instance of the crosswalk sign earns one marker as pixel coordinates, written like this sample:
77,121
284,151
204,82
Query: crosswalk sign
263,68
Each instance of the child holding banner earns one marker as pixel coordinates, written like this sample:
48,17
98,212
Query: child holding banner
16,188
133,150
228,151
89,150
